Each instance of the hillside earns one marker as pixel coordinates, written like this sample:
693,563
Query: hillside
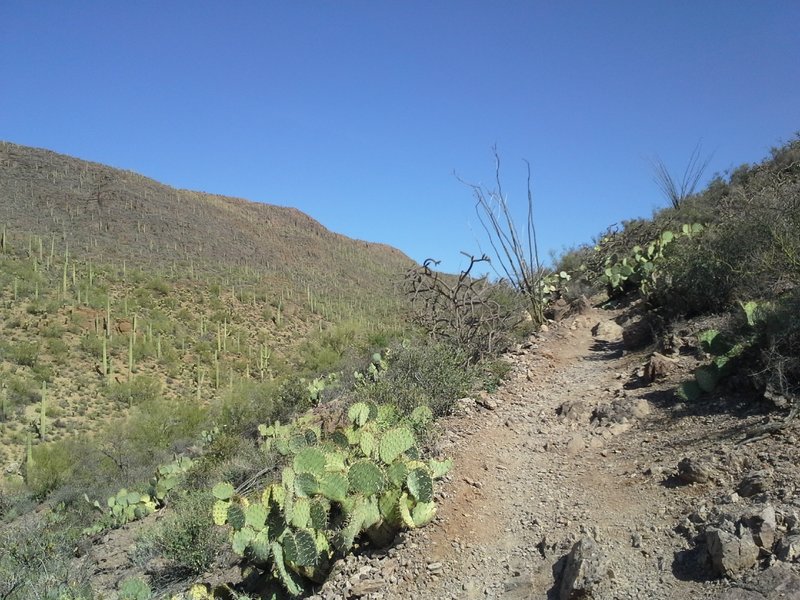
111,215
116,290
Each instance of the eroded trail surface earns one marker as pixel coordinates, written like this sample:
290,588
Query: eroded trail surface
575,448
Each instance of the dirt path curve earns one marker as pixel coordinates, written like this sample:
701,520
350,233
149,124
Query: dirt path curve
529,482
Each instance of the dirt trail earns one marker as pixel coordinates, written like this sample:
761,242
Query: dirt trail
574,446
529,483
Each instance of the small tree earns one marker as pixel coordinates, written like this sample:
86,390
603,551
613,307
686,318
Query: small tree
467,312
517,255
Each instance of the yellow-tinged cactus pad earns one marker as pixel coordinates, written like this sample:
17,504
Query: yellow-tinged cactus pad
219,512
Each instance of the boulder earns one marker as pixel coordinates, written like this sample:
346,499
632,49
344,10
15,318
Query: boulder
607,331
693,470
778,582
658,367
575,445
731,554
762,521
637,334
620,410
755,482
584,569
557,310
788,548
573,410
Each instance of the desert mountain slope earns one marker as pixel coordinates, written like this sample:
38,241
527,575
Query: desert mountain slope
115,215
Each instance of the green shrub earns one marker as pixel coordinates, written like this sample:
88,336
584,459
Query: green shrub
24,353
247,404
52,467
494,373
21,391
52,330
59,350
187,537
92,344
155,426
42,372
159,286
37,562
138,390
430,374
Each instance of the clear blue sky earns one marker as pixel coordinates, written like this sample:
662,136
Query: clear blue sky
359,112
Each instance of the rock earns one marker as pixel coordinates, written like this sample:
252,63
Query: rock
621,411
616,429
763,524
637,334
580,306
575,445
755,482
692,470
466,402
368,586
730,554
788,548
778,581
596,442
573,410
658,367
435,567
557,310
607,331
640,408
583,570
487,402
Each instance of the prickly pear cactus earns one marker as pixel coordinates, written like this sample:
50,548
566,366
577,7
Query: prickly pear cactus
255,516
363,482
310,460
223,491
358,414
420,484
394,443
219,512
366,478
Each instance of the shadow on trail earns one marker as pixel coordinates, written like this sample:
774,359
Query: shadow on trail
746,407
692,564
604,350
554,593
